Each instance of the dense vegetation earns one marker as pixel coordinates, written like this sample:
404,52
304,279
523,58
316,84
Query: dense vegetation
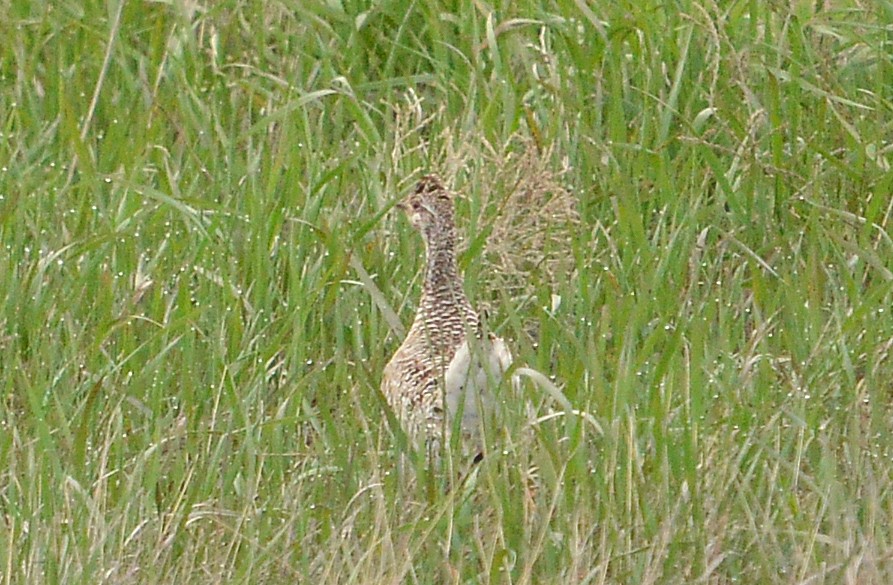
680,210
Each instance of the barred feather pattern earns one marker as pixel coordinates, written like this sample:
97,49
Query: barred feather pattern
413,381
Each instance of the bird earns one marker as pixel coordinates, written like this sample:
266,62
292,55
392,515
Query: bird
444,374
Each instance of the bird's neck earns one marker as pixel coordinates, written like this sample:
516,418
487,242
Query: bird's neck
441,275
444,313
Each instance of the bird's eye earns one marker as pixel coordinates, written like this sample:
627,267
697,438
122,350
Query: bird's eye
416,205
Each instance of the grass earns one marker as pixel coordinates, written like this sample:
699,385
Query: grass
190,359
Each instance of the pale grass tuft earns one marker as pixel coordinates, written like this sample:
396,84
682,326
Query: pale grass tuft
537,216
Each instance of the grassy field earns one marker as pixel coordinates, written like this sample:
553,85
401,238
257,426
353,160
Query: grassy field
681,211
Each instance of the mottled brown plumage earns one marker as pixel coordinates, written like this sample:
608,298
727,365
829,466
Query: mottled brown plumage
423,380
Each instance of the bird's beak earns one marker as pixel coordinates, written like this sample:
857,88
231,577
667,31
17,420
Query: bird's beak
401,205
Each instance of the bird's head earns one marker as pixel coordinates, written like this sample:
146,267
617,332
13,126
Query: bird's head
429,207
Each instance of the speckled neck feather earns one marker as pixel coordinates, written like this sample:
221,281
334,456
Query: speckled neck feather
444,311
